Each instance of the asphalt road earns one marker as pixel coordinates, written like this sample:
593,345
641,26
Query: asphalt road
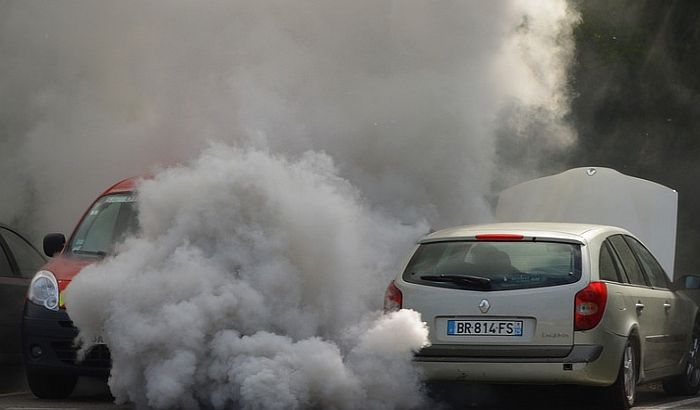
88,394
94,394
512,397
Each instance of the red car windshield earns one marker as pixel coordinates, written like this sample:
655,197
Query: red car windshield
110,220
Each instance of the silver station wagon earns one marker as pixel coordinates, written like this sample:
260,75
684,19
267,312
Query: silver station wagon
559,303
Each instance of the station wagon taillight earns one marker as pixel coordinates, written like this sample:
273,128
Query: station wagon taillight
392,298
589,306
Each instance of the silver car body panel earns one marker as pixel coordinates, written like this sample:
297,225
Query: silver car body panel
550,351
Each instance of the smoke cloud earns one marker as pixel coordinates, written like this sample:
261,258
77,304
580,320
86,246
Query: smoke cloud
405,95
298,151
240,289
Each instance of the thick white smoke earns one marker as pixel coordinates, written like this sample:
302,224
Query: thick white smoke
243,287
357,125
405,95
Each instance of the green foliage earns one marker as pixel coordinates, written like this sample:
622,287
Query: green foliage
637,101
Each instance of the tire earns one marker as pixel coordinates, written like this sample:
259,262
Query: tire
687,383
51,386
622,394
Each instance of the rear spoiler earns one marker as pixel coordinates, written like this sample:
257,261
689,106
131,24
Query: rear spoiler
524,239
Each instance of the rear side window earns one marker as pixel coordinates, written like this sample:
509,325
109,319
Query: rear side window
494,265
654,271
629,262
5,268
28,259
607,268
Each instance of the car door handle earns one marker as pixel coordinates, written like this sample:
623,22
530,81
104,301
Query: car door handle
667,305
640,306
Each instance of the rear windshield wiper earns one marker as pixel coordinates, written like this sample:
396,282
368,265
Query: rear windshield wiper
471,281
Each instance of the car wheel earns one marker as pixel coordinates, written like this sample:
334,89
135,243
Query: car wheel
687,383
623,393
51,386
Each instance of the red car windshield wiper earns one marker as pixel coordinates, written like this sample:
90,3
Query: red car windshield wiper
101,254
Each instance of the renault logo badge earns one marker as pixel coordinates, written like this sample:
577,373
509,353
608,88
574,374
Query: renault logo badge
484,306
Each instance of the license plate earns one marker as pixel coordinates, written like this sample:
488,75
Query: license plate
484,327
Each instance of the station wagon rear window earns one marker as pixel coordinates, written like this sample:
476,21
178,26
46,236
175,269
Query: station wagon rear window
487,266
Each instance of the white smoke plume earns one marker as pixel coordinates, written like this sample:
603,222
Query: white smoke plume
343,130
404,95
242,286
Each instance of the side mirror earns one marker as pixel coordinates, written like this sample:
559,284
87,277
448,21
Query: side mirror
54,243
690,282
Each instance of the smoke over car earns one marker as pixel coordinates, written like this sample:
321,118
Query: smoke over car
252,283
342,132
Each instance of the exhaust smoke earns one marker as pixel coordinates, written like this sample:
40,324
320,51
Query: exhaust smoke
246,286
301,149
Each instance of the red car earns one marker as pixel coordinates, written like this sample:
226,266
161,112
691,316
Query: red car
47,331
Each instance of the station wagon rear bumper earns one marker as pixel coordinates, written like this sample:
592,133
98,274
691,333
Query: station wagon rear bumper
510,354
584,364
